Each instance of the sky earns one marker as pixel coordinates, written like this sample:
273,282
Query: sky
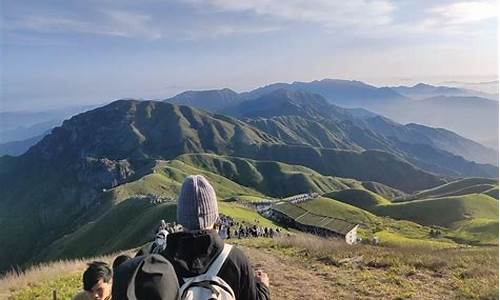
63,53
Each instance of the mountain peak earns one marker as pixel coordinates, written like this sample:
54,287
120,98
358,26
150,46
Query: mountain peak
211,100
423,85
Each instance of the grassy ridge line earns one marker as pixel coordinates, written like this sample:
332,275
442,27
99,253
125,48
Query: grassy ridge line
361,271
430,211
269,177
129,223
360,198
455,188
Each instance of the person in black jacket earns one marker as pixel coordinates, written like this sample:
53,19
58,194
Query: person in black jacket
192,251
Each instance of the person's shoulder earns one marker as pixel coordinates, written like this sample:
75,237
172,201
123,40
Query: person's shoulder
238,256
83,295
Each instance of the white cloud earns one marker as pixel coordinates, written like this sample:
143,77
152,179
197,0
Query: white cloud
328,13
112,22
466,12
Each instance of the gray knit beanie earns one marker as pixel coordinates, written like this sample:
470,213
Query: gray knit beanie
197,207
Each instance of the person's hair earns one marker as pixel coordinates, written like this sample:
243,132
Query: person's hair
120,260
96,271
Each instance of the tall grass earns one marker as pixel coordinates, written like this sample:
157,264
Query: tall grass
17,280
472,272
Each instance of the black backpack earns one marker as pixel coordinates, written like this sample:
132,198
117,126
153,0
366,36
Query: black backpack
149,277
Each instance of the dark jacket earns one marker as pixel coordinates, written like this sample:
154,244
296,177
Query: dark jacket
191,254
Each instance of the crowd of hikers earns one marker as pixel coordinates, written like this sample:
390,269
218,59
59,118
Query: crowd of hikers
188,260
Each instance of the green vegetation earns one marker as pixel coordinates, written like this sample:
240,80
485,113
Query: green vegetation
243,214
443,211
389,231
269,177
360,271
335,209
383,190
360,198
400,270
66,287
479,231
457,188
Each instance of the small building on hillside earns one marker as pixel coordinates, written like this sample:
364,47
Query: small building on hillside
294,216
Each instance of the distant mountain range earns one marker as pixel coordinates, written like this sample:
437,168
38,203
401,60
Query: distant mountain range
467,112
83,170
444,106
422,91
62,182
303,118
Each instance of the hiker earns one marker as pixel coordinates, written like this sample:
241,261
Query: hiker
97,282
147,277
160,241
157,246
201,259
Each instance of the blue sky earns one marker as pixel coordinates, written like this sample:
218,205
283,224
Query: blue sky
60,53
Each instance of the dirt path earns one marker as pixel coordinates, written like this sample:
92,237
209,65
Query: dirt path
292,279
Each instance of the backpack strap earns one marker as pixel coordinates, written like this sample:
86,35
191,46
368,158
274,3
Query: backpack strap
214,268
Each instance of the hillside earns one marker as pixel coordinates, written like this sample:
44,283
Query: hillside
361,272
362,166
211,100
430,211
439,138
345,93
298,117
101,165
301,117
473,117
359,198
269,177
456,188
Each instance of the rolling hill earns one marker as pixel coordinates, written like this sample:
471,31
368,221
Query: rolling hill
100,165
456,188
298,117
360,198
431,211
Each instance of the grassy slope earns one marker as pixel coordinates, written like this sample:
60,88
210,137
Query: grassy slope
383,190
390,232
359,198
456,188
129,223
443,211
331,208
359,272
269,177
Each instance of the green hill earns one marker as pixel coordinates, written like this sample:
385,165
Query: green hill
390,231
493,192
383,190
335,209
443,211
456,188
268,177
360,198
138,207
363,166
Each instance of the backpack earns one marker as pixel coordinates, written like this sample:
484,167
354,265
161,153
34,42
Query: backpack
208,286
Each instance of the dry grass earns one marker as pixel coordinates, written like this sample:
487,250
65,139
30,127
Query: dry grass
37,275
461,273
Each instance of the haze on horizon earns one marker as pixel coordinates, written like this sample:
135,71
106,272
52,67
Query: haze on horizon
73,53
